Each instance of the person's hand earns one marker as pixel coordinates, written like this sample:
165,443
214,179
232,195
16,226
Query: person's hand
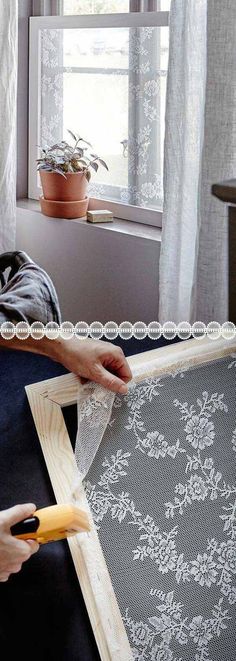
13,551
90,359
97,361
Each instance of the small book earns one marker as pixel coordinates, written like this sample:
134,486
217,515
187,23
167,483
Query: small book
100,216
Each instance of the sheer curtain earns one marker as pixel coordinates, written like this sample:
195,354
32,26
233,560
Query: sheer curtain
135,84
200,149
8,85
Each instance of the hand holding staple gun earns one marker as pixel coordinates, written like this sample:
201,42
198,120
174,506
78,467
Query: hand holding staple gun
22,529
13,552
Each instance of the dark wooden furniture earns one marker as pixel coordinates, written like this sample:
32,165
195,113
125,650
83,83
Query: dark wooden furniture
226,191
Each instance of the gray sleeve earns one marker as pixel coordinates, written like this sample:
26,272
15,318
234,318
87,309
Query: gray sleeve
29,295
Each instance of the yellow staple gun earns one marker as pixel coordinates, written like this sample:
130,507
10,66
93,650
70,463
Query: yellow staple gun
52,523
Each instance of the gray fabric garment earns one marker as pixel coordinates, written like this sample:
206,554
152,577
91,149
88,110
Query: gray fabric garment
29,295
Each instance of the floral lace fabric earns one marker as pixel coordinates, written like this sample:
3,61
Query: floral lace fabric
163,497
143,142
94,410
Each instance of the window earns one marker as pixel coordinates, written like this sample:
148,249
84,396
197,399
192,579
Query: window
104,77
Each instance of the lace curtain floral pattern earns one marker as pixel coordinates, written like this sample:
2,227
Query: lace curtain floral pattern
51,87
163,497
143,144
144,150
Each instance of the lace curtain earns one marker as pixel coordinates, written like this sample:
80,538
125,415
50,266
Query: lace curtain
142,145
200,149
8,86
144,166
51,87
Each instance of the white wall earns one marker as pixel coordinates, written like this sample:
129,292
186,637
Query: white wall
100,273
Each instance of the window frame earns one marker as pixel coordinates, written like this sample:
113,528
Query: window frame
131,20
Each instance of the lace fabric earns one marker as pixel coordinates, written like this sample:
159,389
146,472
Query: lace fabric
94,406
162,496
138,147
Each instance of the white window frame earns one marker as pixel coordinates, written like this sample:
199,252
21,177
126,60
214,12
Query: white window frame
130,20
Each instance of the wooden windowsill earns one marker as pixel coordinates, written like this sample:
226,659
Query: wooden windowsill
121,226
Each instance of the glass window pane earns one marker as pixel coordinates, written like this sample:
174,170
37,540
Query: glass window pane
99,111
108,85
165,5
95,6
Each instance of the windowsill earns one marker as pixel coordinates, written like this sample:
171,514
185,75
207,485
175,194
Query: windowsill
121,226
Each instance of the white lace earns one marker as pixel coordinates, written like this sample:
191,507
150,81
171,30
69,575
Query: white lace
94,406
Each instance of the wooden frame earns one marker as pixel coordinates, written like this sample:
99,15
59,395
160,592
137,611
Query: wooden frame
46,400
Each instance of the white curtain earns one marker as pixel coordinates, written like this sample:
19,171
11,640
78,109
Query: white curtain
200,149
8,86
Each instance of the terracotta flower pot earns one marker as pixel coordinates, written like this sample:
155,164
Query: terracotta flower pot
69,189
58,209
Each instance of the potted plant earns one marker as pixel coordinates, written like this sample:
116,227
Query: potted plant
65,171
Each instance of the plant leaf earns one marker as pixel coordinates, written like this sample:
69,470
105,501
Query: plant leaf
57,146
86,142
72,135
60,172
94,166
